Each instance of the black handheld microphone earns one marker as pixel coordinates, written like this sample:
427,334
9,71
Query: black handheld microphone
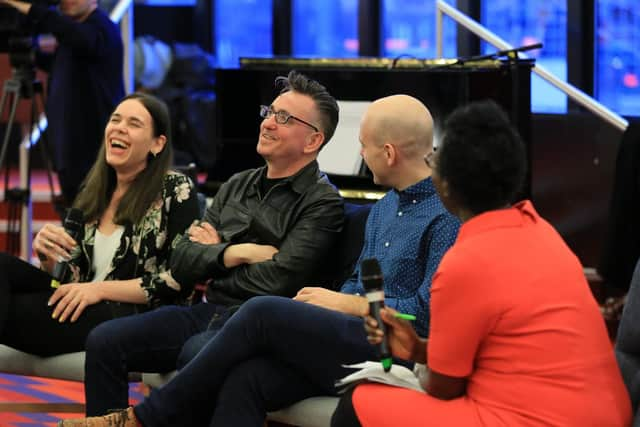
372,281
72,225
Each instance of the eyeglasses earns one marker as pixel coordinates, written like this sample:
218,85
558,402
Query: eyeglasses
282,116
430,159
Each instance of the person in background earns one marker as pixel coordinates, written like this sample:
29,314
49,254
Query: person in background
516,336
276,351
85,62
135,211
268,231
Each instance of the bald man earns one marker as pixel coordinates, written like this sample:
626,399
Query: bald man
276,351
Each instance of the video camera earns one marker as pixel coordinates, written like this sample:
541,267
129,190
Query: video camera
16,35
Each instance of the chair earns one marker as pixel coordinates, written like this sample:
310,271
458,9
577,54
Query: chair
345,256
628,343
69,367
65,367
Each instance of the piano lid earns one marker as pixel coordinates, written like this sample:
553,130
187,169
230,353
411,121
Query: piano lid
371,63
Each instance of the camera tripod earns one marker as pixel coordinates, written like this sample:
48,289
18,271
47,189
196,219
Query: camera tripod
22,86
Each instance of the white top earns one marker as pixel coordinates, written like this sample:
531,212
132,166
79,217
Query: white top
103,251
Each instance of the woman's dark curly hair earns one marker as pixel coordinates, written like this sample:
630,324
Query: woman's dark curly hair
482,157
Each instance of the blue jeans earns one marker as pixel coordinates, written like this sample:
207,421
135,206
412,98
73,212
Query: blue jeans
271,353
147,342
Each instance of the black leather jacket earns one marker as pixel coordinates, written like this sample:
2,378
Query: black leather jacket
301,215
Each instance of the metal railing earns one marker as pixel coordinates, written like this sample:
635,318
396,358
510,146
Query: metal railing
122,13
571,91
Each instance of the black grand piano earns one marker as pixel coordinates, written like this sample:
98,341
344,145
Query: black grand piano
441,84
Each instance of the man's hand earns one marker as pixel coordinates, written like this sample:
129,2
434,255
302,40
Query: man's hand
203,232
71,300
247,253
337,301
47,43
20,6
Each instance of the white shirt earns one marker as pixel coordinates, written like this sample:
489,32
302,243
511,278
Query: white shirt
104,250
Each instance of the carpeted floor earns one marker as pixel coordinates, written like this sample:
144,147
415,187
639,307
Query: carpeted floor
21,389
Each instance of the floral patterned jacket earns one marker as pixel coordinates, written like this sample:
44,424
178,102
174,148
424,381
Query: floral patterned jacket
145,247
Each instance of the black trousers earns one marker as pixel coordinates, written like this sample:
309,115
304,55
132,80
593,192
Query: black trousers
25,318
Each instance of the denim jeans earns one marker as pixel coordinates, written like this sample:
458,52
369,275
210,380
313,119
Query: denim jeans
147,342
271,353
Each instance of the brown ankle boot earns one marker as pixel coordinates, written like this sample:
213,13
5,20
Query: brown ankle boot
124,418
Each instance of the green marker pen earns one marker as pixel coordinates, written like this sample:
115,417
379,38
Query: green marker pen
404,316
386,363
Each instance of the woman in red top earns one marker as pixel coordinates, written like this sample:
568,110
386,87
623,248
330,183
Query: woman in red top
516,338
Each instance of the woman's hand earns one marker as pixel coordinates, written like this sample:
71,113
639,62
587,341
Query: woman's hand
402,338
204,233
53,244
71,300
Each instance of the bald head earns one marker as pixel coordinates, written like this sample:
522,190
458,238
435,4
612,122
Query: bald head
395,134
403,121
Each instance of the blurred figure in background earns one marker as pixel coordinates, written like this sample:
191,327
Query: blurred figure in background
85,82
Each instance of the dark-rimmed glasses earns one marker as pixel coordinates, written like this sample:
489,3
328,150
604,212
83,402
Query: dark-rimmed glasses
282,117
430,159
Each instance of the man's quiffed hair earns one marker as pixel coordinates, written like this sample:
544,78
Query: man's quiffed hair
326,104
482,157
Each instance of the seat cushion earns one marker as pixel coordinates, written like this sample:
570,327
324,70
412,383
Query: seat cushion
155,380
65,366
311,412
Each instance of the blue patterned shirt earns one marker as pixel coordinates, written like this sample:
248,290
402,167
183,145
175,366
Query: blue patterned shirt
408,232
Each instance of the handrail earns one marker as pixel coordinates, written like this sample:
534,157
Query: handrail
571,91
122,13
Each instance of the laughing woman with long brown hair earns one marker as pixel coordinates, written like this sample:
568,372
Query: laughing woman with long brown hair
135,209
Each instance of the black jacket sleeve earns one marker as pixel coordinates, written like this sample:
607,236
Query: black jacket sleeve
299,259
192,262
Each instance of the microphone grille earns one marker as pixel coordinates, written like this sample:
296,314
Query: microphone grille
370,267
74,219
370,274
